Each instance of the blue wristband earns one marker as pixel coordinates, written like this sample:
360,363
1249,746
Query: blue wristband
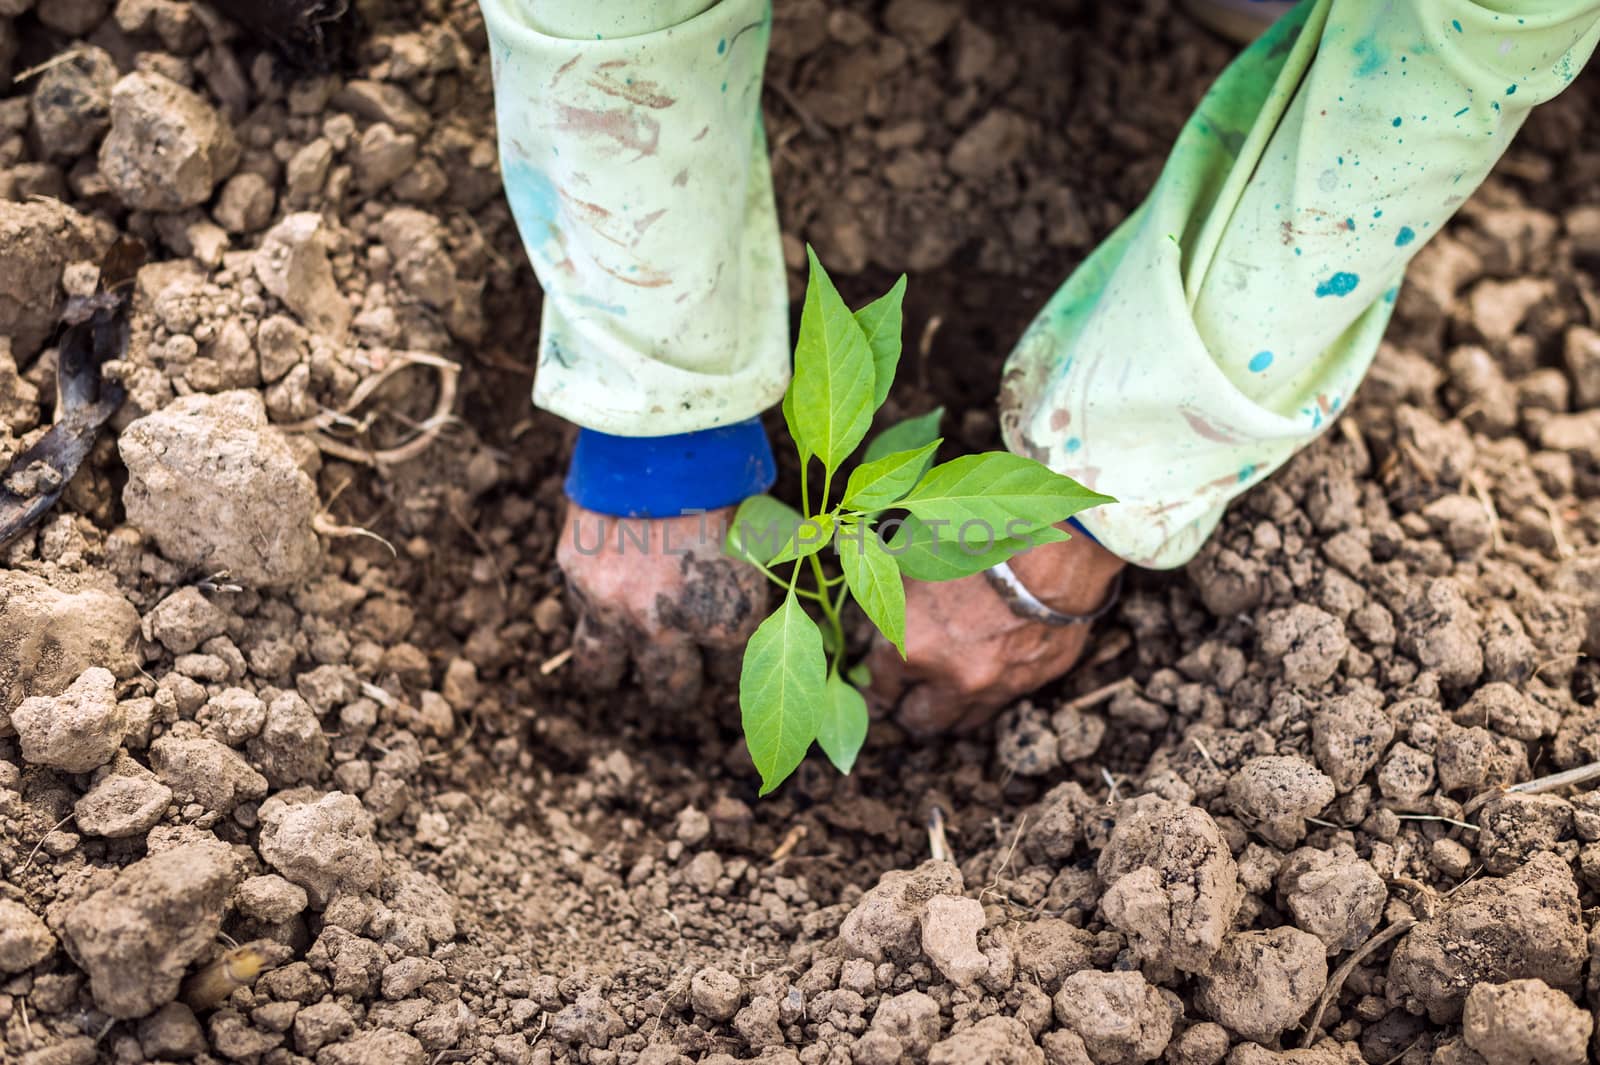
664,476
1077,526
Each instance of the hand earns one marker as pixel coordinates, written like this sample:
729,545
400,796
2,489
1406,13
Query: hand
968,655
658,592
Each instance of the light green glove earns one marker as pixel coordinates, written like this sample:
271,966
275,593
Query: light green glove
1221,327
634,160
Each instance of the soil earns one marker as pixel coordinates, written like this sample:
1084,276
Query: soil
284,669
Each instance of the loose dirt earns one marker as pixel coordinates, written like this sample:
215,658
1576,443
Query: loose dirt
285,666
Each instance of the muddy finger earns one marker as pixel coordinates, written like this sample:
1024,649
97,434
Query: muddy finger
930,709
721,601
889,675
980,710
600,652
671,672
722,665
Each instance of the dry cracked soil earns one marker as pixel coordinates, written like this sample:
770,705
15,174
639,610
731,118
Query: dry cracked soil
270,793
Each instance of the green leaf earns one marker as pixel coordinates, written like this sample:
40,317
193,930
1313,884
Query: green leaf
986,492
859,674
810,536
875,485
874,580
933,553
782,691
794,428
907,435
843,727
761,527
833,374
881,321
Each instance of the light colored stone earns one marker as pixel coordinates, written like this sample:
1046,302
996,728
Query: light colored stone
122,805
38,238
76,731
950,927
292,263
138,936
167,148
323,845
218,488
24,939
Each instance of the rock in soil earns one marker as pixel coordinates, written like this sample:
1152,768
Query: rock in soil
1526,925
184,620
168,148
1260,983
1515,827
323,845
76,731
716,994
292,264
950,928
24,939
201,770
50,636
1121,1018
1350,735
1001,1040
219,490
1525,1022
137,936
1171,883
171,1032
1275,794
71,103
1334,895
125,802
887,921
37,240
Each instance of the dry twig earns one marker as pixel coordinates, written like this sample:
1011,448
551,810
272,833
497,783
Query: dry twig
37,846
1006,861
790,841
1435,817
813,127
1566,778
54,61
1099,695
426,431
929,331
1108,649
938,846
1404,1052
1558,528
554,662
1342,973
323,524
326,526
1482,492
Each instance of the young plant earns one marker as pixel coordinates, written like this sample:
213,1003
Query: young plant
898,516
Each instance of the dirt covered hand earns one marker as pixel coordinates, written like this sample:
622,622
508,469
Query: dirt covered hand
661,594
968,654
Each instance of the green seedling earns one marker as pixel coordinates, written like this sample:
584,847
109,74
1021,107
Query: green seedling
898,515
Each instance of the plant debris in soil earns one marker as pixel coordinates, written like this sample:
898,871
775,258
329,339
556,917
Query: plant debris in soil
272,795
96,332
